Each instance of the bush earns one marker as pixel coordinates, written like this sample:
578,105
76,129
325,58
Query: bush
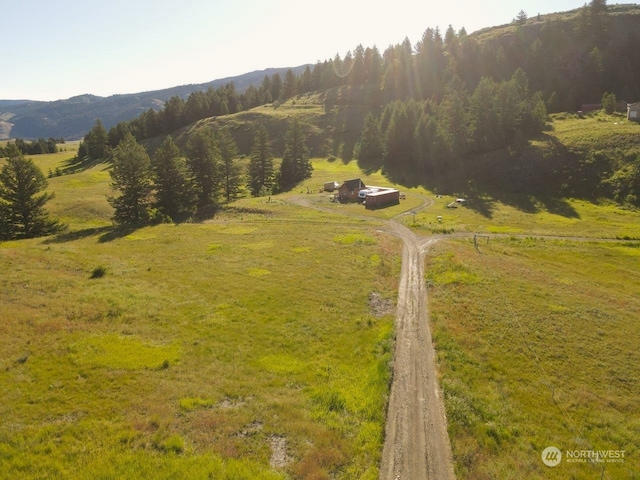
99,272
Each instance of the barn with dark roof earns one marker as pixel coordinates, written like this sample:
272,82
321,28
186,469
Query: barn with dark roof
348,191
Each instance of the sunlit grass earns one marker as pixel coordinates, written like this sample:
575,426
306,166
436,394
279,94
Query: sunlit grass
569,218
199,342
121,352
536,348
191,336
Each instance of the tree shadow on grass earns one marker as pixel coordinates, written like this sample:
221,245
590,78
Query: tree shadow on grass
115,233
483,192
559,206
484,203
105,234
77,235
480,204
77,165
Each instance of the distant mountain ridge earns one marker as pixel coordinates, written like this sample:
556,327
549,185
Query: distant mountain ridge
72,118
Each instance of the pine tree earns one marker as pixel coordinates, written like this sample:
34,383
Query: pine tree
203,158
522,17
296,165
371,149
276,87
131,175
174,189
261,165
22,213
289,87
609,103
399,137
230,171
484,117
454,122
97,142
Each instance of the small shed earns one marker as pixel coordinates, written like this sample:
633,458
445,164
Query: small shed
330,186
633,112
382,198
348,191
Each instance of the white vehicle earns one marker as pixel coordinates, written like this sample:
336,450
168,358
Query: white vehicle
366,191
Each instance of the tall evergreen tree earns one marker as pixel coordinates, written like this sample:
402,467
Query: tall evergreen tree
131,175
484,117
289,87
521,18
173,115
97,141
276,86
203,158
261,165
609,103
296,165
22,213
399,136
371,151
265,90
175,195
230,171
454,122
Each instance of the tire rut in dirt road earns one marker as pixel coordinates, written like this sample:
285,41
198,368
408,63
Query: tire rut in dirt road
416,440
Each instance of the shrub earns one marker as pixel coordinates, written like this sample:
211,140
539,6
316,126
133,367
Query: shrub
99,272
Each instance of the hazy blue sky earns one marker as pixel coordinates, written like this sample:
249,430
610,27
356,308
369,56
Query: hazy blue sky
58,49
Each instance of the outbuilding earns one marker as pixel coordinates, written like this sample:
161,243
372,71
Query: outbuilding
633,112
330,186
348,191
382,198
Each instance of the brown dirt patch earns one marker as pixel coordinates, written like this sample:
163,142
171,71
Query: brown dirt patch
380,306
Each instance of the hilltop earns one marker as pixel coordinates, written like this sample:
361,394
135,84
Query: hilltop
572,58
73,117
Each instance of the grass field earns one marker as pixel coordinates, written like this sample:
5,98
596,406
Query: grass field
537,345
556,217
247,346
244,347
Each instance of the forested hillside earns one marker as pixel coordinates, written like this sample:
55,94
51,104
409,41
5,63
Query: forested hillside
452,111
571,58
73,117
424,111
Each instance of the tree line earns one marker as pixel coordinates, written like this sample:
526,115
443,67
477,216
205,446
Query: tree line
428,138
176,185
570,62
36,147
169,185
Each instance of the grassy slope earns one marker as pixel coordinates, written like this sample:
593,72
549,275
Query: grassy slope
535,338
537,346
200,346
191,355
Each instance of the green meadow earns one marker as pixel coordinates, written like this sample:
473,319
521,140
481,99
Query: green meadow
565,218
194,350
537,345
247,346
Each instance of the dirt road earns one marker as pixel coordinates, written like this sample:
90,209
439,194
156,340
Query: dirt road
416,441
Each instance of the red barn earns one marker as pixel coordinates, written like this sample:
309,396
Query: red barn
348,191
382,198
